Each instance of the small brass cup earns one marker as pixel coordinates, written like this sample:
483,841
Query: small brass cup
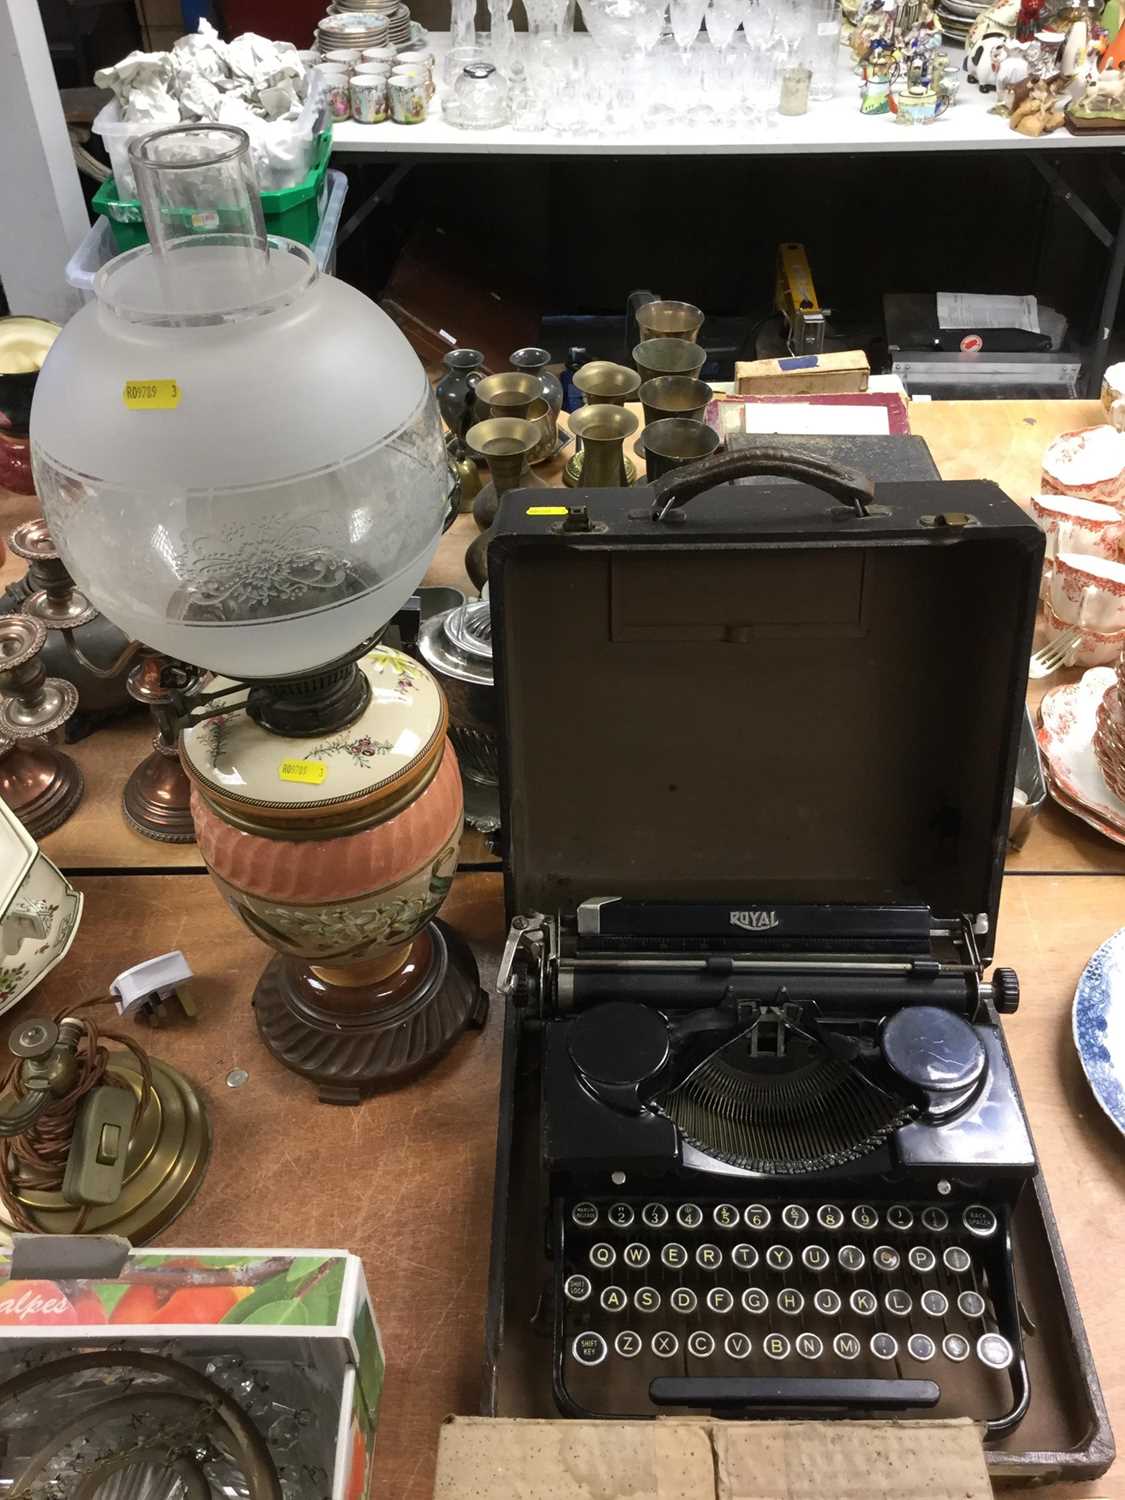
509,394
674,396
603,383
668,356
674,441
603,430
672,320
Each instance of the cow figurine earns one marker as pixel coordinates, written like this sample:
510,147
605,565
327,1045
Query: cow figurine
992,27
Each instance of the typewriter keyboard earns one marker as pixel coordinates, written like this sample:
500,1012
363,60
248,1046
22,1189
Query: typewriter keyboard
729,1305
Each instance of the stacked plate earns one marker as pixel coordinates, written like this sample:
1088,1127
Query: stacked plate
957,16
1067,720
354,28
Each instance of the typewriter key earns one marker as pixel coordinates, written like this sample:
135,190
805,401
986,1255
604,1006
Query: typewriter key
922,1258
793,1216
863,1302
884,1345
899,1216
689,1216
955,1346
589,1348
808,1346
864,1216
665,1344
971,1304
655,1215
898,1302
584,1214
636,1256
646,1299
674,1256
683,1300
620,1215
745,1257
956,1259
851,1258
887,1258
708,1257
613,1299
737,1345
757,1216
719,1300
846,1345
935,1303
827,1302
935,1219
790,1301
779,1257
979,1219
994,1351
921,1346
726,1216
700,1343
577,1288
828,1216
814,1258
602,1256
776,1345
628,1344
754,1300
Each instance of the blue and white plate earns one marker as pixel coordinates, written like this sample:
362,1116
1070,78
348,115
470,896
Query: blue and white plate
1099,1026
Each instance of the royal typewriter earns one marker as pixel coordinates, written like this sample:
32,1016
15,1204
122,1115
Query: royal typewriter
762,1149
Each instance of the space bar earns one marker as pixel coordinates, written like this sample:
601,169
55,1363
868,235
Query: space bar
803,1391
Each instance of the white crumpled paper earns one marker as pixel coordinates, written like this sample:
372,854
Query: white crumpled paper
251,82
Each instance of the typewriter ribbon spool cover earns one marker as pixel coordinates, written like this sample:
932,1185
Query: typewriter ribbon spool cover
770,747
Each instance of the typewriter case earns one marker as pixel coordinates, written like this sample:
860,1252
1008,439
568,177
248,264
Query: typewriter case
772,697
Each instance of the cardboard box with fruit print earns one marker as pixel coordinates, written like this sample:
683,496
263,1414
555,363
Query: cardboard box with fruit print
289,1331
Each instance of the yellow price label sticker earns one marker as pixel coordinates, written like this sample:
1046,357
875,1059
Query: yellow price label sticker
546,510
311,772
151,395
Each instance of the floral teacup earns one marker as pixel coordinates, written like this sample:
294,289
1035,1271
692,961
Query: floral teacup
1088,591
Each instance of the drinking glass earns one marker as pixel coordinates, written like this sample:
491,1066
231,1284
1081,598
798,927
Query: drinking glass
792,25
758,24
823,49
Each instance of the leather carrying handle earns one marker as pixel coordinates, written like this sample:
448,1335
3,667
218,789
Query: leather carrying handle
677,487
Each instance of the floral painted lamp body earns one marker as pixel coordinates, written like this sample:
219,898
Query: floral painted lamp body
338,853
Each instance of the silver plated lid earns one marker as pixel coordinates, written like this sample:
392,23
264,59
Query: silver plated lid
459,643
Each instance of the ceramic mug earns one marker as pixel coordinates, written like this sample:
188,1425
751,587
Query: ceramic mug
386,55
1082,527
1113,395
1088,591
339,100
369,99
408,99
349,56
1095,648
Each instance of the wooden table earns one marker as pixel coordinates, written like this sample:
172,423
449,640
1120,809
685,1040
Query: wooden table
406,1179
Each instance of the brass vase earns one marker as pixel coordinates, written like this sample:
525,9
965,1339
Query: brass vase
505,444
519,393
602,383
669,356
675,441
603,430
669,320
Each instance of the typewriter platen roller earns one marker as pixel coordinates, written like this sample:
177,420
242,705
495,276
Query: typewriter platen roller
784,1145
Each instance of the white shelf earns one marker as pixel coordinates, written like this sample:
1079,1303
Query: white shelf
835,127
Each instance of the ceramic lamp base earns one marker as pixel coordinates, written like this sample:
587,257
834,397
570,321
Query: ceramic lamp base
351,1039
168,1156
157,800
40,784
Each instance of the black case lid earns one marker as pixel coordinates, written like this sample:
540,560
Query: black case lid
774,700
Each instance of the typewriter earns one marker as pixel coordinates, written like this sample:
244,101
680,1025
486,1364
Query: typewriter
763,1151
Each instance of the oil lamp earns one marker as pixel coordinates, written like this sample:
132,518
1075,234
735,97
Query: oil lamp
241,463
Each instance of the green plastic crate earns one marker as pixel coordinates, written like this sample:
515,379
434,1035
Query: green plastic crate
293,212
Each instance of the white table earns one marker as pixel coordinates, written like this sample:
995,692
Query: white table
832,128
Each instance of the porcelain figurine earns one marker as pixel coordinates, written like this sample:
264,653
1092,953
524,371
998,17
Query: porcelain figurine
993,26
1102,104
